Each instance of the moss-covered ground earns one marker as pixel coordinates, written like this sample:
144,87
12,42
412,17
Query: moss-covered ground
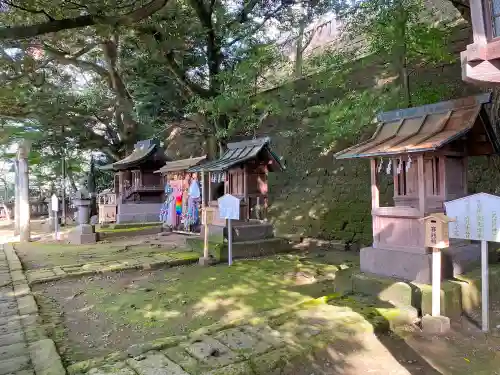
103,313
36,255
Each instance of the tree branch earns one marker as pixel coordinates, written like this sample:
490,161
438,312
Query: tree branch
259,26
32,11
242,16
21,32
182,78
203,14
62,58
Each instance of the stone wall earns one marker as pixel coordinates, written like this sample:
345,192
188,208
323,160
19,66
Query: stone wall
318,196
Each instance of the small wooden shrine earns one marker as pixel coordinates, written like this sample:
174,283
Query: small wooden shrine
425,149
242,171
182,203
481,59
139,191
106,201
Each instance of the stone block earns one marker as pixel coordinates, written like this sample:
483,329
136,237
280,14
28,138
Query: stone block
14,350
59,272
8,309
435,325
155,364
10,326
82,239
27,305
211,352
39,275
12,338
45,358
17,276
242,342
342,283
206,261
266,333
386,289
15,364
451,298
183,359
21,289
242,368
119,368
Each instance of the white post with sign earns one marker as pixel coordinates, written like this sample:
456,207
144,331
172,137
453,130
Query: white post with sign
476,218
436,237
55,209
229,209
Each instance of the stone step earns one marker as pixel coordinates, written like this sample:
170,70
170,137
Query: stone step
256,248
251,232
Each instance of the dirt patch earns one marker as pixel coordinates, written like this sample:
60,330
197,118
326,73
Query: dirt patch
97,315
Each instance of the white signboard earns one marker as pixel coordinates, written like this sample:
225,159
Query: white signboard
229,207
476,217
55,203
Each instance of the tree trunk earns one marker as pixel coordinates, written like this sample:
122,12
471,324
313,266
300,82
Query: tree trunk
299,49
211,147
405,84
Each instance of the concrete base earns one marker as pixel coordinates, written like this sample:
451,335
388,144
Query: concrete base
456,260
457,297
138,212
82,234
206,261
435,325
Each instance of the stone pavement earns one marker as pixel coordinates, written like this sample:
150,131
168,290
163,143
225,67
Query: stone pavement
264,348
42,275
24,347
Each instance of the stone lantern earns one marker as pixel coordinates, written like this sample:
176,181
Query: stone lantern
84,233
480,61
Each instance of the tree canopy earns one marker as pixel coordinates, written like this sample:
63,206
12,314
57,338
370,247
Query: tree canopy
99,75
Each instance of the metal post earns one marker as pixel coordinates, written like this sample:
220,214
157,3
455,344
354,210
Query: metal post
436,282
204,213
484,286
17,211
63,190
56,226
229,242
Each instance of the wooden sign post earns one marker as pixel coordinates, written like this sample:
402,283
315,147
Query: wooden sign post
476,218
436,237
229,209
55,209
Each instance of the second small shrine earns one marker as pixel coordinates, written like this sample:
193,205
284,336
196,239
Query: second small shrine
242,171
138,191
425,150
181,207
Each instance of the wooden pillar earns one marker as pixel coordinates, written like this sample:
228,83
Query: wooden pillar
209,183
374,184
443,192
478,22
226,182
245,192
375,199
421,184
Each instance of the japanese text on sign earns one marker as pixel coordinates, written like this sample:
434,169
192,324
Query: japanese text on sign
476,217
229,207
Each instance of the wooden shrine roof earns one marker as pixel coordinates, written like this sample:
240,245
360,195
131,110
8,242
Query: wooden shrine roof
426,128
143,151
180,165
238,153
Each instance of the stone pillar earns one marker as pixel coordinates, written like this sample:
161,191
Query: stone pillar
16,198
84,233
24,199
